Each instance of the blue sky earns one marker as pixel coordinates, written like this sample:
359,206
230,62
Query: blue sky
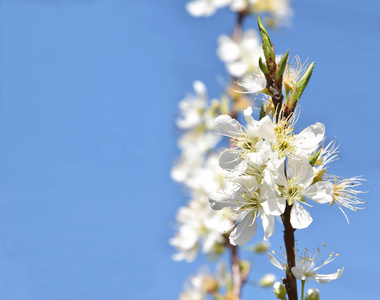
89,93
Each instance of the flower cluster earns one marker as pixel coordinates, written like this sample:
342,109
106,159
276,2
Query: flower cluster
204,283
198,226
270,167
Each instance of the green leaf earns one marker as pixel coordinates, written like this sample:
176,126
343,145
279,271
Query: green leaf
262,111
302,83
263,67
282,65
314,158
267,44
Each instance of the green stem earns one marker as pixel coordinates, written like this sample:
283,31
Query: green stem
303,290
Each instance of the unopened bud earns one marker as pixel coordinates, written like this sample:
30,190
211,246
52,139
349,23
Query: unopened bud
209,284
267,280
261,247
279,290
313,294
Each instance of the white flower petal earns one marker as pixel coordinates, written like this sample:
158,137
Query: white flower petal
266,129
247,182
325,278
200,88
275,262
299,216
229,160
309,139
268,225
200,8
300,169
274,205
248,115
221,199
244,231
227,126
320,192
237,68
298,274
254,83
228,50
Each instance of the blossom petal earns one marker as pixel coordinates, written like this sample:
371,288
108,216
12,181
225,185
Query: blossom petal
247,182
298,274
227,126
200,9
229,160
274,205
221,199
266,129
325,278
275,262
244,231
300,169
248,116
299,216
268,225
320,192
309,139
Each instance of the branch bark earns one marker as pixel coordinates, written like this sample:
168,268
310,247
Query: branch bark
290,281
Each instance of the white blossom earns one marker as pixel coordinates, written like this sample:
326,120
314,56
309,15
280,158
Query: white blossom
240,56
203,283
200,228
279,11
305,266
294,72
247,202
298,184
345,194
205,8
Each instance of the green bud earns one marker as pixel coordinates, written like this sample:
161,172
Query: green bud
314,158
263,67
282,65
313,294
279,290
267,44
267,280
261,247
302,83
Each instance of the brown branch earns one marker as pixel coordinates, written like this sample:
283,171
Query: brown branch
290,281
236,275
274,86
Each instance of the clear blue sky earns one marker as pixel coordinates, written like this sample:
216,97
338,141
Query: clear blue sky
89,92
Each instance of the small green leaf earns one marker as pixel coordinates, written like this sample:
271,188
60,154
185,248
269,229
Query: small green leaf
263,67
282,65
314,158
262,111
302,83
267,44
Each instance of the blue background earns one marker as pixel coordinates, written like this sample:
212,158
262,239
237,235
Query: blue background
89,93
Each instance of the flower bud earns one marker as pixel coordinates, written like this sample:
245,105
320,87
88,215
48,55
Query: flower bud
261,247
313,294
267,280
279,290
